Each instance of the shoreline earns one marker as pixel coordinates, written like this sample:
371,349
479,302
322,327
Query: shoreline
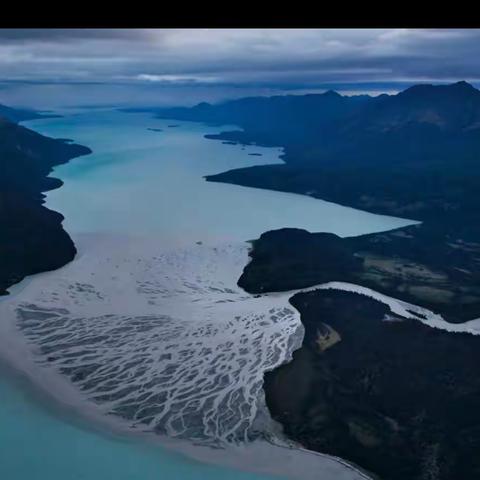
304,416
34,239
95,420
62,400
245,456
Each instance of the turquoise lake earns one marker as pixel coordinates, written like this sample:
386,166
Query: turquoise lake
149,183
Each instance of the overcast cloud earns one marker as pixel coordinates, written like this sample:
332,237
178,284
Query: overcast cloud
278,59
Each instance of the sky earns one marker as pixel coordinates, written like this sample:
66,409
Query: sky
54,67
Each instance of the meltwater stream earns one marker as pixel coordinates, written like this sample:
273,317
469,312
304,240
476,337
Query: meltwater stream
148,323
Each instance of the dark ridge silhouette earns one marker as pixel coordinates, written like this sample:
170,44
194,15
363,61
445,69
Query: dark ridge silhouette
32,239
20,115
392,395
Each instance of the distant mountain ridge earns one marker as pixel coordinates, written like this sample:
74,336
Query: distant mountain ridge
460,99
20,115
424,122
449,107
347,391
414,154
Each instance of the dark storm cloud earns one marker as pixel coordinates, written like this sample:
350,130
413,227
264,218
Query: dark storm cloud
287,58
65,34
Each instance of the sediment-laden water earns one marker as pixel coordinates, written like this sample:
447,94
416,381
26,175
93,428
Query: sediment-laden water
147,323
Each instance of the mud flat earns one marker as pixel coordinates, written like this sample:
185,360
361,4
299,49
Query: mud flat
147,325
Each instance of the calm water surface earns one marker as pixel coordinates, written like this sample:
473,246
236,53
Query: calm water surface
150,184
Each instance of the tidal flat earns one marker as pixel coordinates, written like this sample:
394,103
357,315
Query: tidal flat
160,249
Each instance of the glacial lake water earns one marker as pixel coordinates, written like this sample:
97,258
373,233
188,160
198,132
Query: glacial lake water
154,287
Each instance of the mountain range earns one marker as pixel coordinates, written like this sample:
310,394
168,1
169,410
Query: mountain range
395,397
387,393
424,123
413,154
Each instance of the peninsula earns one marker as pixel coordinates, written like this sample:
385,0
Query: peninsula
384,391
33,239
